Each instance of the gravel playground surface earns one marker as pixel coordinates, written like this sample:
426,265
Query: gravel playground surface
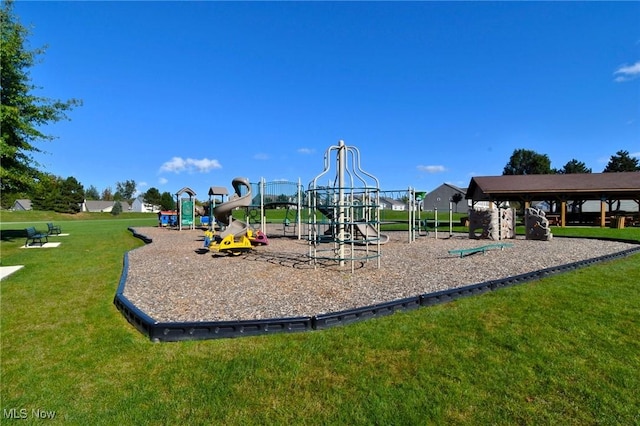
173,279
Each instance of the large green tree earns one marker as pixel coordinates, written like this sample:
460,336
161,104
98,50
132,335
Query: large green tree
167,201
23,114
622,162
152,197
527,162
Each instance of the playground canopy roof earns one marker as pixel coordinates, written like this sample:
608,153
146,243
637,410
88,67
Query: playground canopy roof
186,190
218,190
578,186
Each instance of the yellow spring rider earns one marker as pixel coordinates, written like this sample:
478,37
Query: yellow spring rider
231,245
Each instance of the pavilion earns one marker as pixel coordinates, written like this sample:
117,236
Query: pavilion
558,188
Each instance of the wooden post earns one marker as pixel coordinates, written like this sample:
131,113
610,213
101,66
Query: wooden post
563,213
602,213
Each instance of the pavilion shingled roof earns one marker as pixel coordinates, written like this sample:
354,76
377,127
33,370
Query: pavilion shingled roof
584,186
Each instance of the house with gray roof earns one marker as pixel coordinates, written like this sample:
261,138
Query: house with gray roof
441,196
22,205
98,206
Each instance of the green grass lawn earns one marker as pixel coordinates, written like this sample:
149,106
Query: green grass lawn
562,350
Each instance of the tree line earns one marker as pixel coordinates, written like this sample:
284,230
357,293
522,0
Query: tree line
528,162
66,195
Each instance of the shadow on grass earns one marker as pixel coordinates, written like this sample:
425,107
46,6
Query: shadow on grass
12,234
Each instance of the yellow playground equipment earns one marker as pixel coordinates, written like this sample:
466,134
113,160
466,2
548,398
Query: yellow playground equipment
229,245
235,246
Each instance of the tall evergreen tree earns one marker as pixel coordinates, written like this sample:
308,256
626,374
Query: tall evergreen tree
53,193
167,203
152,197
117,208
574,166
72,195
622,162
22,113
45,192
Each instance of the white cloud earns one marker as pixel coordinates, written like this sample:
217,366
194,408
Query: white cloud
627,72
190,165
432,169
635,154
306,151
163,181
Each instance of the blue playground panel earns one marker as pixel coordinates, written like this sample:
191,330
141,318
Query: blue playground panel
167,218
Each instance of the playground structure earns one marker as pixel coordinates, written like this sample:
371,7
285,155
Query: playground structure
237,237
186,209
536,225
494,224
281,195
345,212
222,212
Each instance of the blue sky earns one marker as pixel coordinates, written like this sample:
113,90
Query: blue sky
196,93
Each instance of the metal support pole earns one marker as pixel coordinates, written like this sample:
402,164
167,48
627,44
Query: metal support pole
341,218
263,221
450,219
435,209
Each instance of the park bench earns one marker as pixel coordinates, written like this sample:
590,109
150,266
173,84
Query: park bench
53,229
33,235
481,249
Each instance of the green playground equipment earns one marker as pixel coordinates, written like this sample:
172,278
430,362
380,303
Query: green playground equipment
481,249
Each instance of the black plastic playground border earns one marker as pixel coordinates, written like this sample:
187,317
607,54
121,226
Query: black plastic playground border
201,330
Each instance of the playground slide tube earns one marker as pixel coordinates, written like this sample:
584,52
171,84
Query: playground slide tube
222,212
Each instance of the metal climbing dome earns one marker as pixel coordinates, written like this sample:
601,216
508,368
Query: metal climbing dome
343,215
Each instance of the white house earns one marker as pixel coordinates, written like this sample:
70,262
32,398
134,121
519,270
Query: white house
140,206
391,204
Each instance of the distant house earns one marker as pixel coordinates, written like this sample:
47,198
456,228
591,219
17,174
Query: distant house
97,206
440,197
392,204
22,205
140,206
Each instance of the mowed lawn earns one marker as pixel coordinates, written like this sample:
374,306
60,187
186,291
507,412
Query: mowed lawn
562,350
